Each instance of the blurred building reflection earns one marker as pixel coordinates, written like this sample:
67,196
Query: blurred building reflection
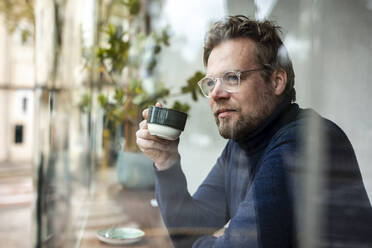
42,120
16,96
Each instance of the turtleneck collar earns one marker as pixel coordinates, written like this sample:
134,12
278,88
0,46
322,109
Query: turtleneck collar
284,113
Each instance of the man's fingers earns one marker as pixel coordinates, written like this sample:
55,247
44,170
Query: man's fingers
143,124
145,134
145,113
153,144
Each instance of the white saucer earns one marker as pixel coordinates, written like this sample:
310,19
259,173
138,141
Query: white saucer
120,235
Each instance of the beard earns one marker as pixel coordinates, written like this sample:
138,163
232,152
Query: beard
237,130
247,123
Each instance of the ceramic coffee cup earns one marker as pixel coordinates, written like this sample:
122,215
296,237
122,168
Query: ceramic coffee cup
166,123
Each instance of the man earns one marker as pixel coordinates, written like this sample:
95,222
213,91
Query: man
255,184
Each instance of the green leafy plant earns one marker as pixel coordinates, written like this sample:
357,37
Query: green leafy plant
19,15
125,49
125,53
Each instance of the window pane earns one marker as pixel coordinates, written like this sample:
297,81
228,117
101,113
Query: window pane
18,134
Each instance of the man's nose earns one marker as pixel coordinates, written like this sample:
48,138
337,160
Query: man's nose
218,91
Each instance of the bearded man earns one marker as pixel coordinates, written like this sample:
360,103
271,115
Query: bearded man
255,185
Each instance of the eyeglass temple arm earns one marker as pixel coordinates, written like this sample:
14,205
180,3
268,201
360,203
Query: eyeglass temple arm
269,66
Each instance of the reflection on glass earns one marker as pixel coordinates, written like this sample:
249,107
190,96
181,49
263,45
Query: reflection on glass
83,127
95,74
64,147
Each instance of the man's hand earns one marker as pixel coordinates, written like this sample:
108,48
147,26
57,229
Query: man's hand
219,232
163,152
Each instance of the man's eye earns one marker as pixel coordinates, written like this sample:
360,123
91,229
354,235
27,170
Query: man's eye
231,78
209,83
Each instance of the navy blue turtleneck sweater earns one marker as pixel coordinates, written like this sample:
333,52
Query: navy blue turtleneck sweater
257,185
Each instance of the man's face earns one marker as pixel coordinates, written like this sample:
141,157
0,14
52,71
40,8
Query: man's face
239,113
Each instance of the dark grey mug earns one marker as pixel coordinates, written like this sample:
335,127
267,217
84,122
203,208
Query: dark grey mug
166,123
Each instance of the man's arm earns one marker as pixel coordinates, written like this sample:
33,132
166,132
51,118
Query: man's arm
265,216
189,217
186,217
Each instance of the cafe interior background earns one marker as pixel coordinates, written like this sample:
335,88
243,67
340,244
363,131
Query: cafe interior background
64,132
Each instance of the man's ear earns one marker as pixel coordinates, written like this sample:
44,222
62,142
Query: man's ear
279,81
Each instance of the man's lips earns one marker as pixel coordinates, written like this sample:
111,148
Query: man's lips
222,113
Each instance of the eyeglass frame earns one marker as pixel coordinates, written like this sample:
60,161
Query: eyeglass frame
238,74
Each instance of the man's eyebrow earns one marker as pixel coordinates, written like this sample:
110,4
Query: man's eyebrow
223,73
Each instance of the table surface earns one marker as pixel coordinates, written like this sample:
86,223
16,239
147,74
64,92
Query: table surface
114,205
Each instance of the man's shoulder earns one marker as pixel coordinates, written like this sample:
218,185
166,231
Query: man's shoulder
308,120
312,120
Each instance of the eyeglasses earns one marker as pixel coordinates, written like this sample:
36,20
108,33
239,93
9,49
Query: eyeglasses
230,81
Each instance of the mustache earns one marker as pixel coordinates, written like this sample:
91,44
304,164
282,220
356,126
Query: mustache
219,107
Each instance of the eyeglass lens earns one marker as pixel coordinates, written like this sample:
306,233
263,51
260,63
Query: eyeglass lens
229,81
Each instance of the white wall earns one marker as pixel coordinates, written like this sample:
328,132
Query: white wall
4,77
3,134
4,51
16,83
23,151
22,73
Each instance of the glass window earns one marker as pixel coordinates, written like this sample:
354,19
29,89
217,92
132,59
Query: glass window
24,104
100,63
18,134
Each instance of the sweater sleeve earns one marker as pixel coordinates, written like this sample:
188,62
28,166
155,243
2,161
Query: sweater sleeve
189,217
344,198
265,216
